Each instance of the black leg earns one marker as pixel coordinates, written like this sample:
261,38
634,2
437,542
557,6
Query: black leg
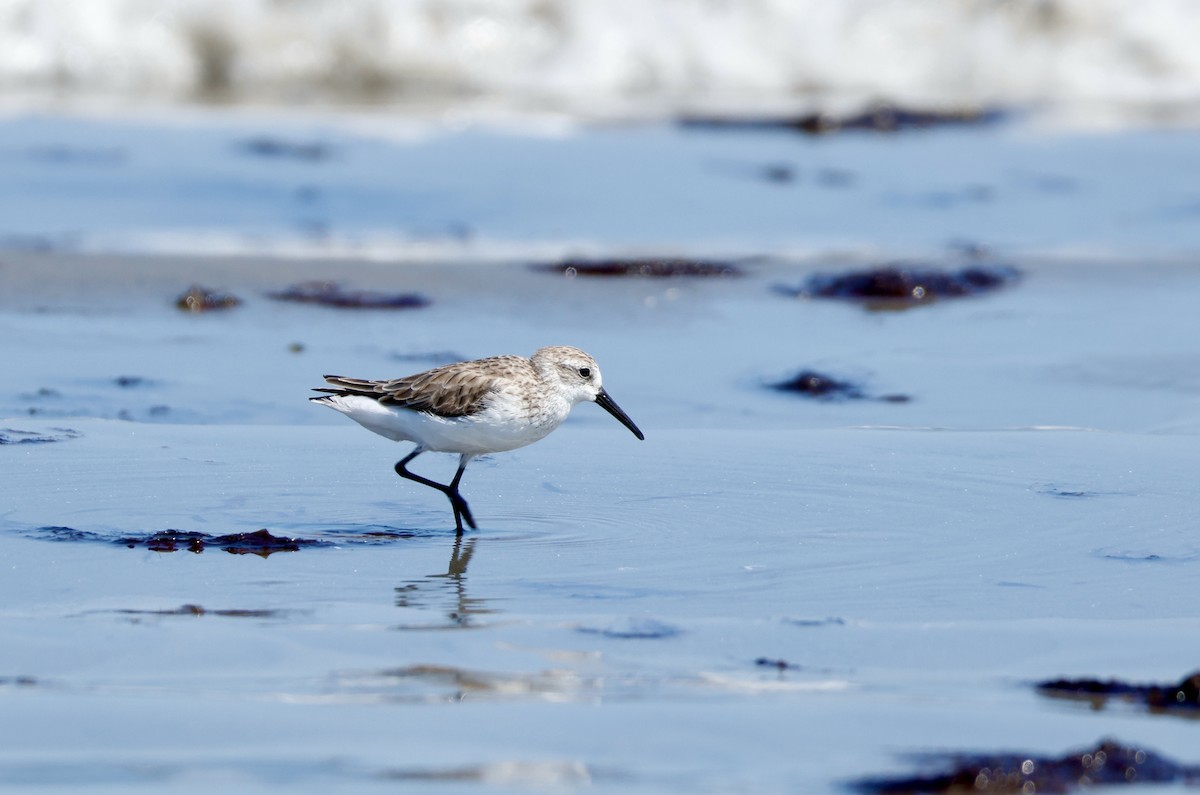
461,505
457,503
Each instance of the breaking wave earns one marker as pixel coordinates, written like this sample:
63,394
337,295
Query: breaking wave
610,59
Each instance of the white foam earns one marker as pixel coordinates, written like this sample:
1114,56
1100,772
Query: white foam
617,58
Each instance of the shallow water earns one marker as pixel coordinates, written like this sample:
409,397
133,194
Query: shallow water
387,188
915,567
915,582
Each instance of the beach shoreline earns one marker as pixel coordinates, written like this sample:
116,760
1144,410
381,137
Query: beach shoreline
857,526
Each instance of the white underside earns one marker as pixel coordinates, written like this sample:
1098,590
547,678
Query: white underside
490,431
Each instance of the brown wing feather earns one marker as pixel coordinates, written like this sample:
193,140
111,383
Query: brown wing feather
454,390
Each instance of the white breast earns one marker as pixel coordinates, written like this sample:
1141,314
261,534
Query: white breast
504,424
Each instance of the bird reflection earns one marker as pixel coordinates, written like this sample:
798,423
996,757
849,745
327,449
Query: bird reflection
446,591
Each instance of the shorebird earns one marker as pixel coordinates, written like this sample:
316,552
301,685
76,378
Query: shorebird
474,408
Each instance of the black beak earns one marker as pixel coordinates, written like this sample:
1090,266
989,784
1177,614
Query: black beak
609,405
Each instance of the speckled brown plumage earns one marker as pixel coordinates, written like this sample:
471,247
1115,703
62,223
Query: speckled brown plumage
453,390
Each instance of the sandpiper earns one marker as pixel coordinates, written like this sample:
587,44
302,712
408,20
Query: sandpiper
474,408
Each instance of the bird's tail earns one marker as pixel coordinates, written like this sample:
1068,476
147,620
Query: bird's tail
345,387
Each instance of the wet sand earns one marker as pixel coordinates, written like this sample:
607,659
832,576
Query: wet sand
771,593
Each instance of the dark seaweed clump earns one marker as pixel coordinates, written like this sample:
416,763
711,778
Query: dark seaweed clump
1067,493
1109,762
810,383
882,117
331,294
902,285
819,385
202,299
1183,696
197,610
15,436
650,268
259,542
777,664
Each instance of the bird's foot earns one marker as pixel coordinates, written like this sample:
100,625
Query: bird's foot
461,511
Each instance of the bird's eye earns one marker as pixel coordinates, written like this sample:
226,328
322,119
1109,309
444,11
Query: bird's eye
585,372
